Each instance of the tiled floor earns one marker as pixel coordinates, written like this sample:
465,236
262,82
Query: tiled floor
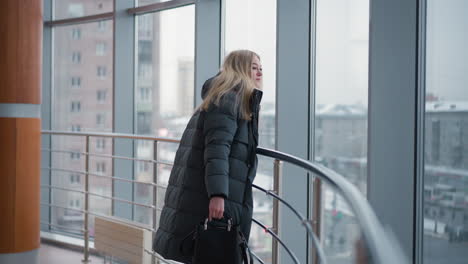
52,254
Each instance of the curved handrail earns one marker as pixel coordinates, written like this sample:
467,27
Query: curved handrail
388,251
275,236
304,221
256,257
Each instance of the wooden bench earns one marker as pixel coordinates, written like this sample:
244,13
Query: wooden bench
122,239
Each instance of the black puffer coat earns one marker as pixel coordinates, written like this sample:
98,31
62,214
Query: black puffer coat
216,157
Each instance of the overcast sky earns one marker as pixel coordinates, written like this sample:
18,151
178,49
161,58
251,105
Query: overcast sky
342,46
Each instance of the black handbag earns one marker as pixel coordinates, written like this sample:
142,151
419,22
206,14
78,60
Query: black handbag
216,242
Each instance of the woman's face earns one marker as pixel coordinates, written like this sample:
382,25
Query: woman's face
256,72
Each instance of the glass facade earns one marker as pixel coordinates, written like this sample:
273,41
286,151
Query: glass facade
163,87
164,92
257,32
341,85
82,102
445,197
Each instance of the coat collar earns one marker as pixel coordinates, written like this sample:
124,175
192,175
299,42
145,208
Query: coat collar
258,94
255,100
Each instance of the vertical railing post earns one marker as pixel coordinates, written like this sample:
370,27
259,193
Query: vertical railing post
113,174
155,192
49,227
278,164
316,214
86,206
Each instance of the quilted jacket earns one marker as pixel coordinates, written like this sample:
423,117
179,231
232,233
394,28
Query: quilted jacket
216,157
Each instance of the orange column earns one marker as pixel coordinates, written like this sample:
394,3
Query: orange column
20,99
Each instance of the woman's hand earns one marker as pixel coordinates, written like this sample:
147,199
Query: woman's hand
216,208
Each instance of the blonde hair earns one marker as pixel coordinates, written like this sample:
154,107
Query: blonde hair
235,74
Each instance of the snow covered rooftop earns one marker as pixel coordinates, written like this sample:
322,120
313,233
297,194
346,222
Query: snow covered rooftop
448,106
341,110
446,171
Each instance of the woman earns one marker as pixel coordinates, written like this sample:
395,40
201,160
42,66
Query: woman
216,162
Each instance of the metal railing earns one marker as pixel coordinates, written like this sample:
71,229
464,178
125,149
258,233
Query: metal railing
381,246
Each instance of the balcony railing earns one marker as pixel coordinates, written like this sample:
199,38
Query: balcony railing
381,246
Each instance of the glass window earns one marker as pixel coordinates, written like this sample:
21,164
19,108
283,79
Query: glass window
256,31
101,167
100,143
101,49
144,94
101,72
76,57
70,114
164,90
75,82
75,128
76,33
100,119
445,232
341,85
75,155
145,71
144,122
101,96
165,66
77,8
76,106
75,178
102,25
